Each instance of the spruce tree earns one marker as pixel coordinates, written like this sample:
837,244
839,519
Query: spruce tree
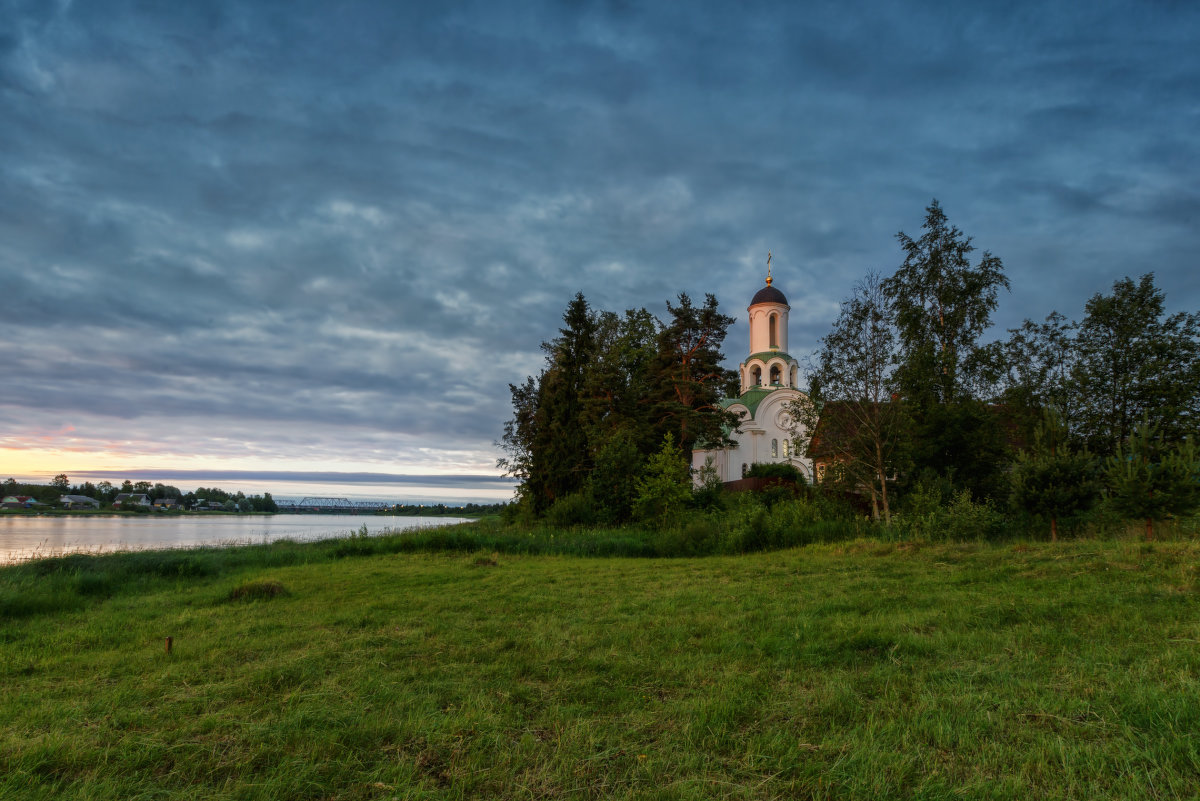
1051,479
561,460
619,386
1150,479
665,488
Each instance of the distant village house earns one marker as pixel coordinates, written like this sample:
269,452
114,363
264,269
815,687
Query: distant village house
18,502
131,499
78,502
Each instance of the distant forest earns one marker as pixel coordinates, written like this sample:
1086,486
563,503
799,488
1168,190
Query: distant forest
212,498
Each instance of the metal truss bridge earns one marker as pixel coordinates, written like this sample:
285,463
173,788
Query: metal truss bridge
332,506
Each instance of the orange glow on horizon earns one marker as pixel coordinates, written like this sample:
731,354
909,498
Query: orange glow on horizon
40,464
36,461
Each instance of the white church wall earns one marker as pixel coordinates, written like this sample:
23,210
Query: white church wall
753,441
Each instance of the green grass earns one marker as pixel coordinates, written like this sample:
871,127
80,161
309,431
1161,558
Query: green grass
856,670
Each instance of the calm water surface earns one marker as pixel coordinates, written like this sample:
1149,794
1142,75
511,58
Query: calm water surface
23,537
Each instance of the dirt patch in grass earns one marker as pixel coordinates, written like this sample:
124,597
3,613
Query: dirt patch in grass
487,560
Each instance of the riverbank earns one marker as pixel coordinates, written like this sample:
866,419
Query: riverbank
855,670
120,513
34,537
216,513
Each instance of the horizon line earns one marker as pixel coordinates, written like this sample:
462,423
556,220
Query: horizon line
306,477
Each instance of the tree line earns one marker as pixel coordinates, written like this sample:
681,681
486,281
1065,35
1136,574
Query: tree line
903,392
106,493
615,390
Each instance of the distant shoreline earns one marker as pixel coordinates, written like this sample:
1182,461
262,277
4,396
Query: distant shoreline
215,513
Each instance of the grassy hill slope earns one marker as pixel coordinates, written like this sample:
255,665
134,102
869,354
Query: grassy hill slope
863,670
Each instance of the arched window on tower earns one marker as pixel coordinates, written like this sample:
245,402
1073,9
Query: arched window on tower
773,330
775,374
756,376
774,449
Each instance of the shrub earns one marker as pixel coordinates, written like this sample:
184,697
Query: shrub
968,520
961,519
576,509
780,470
519,513
756,536
778,493
699,536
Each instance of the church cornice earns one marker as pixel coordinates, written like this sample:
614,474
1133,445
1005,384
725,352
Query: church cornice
766,356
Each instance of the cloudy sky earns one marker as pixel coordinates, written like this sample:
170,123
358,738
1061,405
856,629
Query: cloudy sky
325,237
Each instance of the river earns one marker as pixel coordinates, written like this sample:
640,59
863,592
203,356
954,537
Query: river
25,537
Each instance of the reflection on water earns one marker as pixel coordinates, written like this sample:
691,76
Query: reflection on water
23,537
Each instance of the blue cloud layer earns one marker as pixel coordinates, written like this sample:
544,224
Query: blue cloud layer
309,228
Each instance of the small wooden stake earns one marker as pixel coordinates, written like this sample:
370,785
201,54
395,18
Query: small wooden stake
170,642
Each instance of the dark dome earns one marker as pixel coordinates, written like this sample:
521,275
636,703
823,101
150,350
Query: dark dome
769,294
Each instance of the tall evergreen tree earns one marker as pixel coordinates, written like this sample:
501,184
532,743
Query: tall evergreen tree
562,461
546,440
690,380
614,480
519,431
619,389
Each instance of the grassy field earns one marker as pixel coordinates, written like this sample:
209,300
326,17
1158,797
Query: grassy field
861,670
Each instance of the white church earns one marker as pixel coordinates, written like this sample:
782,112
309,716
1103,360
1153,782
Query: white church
769,381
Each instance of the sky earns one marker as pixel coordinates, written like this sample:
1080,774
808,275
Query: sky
288,240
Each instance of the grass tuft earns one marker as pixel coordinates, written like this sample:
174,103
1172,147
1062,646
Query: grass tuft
487,560
258,590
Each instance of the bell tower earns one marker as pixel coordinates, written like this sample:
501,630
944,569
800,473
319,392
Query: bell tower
769,365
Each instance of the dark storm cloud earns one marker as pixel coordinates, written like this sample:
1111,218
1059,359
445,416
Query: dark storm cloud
264,218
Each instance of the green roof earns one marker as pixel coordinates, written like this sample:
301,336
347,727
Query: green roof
751,398
766,355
